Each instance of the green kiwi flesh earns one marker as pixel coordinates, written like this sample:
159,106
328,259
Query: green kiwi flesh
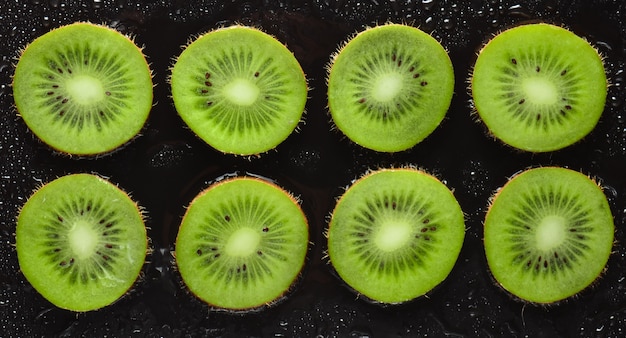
539,87
395,234
548,234
83,89
389,87
81,242
239,89
242,244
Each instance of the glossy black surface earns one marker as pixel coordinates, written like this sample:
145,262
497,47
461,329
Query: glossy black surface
165,167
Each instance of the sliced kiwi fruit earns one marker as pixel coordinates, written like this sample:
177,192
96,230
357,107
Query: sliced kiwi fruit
539,87
239,89
395,234
548,234
81,242
389,87
242,244
83,89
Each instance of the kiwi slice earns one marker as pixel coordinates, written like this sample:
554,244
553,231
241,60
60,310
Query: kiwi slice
395,234
389,87
242,244
539,87
83,89
239,89
548,234
81,242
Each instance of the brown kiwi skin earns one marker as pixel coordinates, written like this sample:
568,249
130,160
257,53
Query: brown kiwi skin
468,89
61,153
145,217
581,294
293,288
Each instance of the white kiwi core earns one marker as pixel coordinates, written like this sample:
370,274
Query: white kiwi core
85,89
540,91
83,239
550,233
392,236
387,87
242,242
242,92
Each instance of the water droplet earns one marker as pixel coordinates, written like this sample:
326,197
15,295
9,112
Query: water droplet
610,191
618,78
3,90
54,3
615,101
428,4
429,24
475,178
5,65
360,333
604,46
167,156
518,11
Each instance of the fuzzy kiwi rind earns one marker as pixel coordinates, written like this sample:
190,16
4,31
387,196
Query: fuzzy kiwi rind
81,242
389,87
83,89
539,87
242,244
565,218
239,89
395,234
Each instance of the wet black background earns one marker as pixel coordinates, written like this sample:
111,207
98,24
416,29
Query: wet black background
165,167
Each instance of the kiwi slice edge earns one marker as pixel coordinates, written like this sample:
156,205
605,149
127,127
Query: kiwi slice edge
417,221
81,242
389,87
569,250
538,87
239,89
83,89
242,244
